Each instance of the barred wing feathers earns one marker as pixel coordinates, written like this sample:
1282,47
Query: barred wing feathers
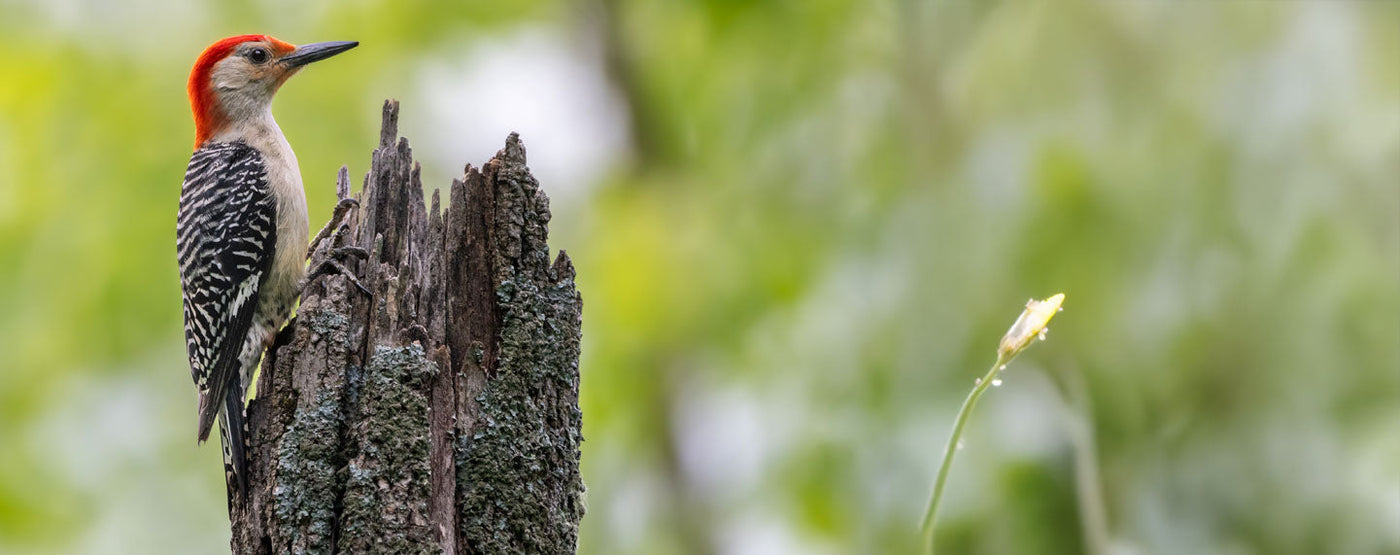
225,234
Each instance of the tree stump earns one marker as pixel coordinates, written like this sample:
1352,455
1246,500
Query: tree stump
437,413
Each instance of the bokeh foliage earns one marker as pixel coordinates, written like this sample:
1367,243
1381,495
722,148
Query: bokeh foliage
830,212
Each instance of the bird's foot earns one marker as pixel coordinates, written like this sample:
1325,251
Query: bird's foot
334,227
334,264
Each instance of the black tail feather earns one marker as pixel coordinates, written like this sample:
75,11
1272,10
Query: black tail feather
232,428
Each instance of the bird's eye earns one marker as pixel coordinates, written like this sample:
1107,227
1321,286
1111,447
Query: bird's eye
258,55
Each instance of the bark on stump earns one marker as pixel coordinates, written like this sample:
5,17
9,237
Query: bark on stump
439,412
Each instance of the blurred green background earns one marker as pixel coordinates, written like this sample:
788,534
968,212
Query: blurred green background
800,228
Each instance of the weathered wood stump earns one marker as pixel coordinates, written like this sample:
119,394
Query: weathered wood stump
437,413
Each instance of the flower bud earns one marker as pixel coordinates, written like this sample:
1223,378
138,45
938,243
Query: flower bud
1029,326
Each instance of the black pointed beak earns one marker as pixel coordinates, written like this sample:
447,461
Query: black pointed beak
308,53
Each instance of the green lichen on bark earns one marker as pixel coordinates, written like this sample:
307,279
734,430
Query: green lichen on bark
325,323
306,488
517,474
518,480
387,487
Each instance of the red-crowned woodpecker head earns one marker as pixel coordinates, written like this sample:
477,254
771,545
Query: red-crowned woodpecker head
235,78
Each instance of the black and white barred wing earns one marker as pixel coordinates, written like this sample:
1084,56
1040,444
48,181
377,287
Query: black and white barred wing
225,234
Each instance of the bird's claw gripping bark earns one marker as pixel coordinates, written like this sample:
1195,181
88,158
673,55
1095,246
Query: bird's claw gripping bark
342,209
349,251
334,264
334,253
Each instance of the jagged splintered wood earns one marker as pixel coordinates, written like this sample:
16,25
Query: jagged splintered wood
438,413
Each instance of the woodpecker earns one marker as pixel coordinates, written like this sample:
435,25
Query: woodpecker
241,231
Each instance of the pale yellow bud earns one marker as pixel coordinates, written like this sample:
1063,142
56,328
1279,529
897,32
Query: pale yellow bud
1029,326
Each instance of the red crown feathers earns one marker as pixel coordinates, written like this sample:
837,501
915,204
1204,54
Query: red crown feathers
208,117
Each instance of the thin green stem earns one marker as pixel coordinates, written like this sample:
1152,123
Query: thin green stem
952,448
